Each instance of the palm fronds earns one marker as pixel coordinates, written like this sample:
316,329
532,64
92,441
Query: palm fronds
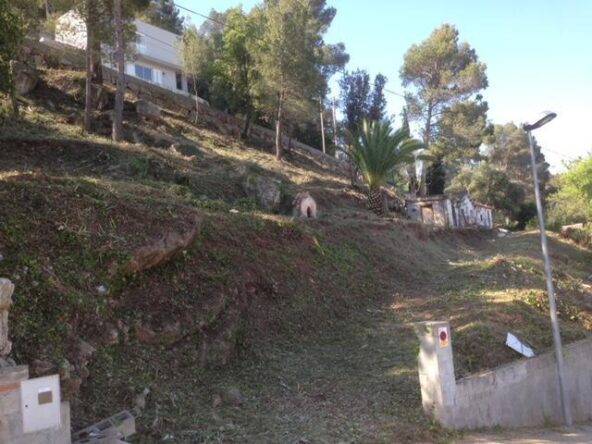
377,150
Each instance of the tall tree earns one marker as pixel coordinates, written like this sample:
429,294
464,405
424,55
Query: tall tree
195,58
12,32
362,100
100,29
235,71
89,14
355,92
490,185
439,72
377,105
572,203
508,149
504,177
165,15
291,58
120,57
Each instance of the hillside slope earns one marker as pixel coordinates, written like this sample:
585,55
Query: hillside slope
265,328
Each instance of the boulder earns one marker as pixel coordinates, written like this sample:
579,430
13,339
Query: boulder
25,79
148,110
568,230
266,191
162,251
232,396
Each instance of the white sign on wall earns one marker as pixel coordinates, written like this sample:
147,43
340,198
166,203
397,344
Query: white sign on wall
40,403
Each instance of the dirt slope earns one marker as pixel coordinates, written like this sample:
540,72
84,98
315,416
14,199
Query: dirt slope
308,320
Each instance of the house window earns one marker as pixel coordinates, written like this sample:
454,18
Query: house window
144,72
179,79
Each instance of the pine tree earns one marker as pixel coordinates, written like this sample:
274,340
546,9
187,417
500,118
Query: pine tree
165,15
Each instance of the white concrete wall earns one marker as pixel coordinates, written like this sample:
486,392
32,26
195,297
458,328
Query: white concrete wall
523,393
484,216
451,222
156,48
158,44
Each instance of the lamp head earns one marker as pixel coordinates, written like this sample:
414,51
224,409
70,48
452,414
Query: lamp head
543,119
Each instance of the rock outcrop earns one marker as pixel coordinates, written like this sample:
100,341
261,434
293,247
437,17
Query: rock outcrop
25,79
266,191
148,110
163,250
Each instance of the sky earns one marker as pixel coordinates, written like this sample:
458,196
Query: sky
538,55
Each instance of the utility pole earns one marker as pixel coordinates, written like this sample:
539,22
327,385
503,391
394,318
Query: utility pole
335,125
567,418
322,127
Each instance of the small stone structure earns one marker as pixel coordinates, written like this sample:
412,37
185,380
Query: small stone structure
520,394
305,206
444,211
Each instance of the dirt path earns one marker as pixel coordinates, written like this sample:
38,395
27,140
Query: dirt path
354,383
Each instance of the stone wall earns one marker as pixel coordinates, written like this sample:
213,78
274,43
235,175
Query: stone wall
519,394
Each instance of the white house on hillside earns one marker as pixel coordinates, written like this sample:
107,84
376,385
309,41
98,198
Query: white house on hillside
157,51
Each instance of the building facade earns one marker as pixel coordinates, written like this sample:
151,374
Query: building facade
444,211
157,52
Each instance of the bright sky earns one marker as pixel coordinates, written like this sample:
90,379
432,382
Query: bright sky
538,55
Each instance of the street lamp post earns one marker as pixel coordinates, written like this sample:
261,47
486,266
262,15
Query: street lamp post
548,269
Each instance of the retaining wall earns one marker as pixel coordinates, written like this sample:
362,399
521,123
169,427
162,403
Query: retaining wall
519,394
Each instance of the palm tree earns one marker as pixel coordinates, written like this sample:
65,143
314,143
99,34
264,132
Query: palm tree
377,151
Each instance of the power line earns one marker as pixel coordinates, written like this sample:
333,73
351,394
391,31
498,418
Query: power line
564,156
342,70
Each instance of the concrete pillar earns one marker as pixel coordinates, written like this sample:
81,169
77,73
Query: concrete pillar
6,290
436,370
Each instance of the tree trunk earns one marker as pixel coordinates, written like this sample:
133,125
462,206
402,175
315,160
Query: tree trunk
196,100
247,127
97,64
278,129
323,128
335,127
427,138
88,104
46,10
120,55
11,89
375,201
